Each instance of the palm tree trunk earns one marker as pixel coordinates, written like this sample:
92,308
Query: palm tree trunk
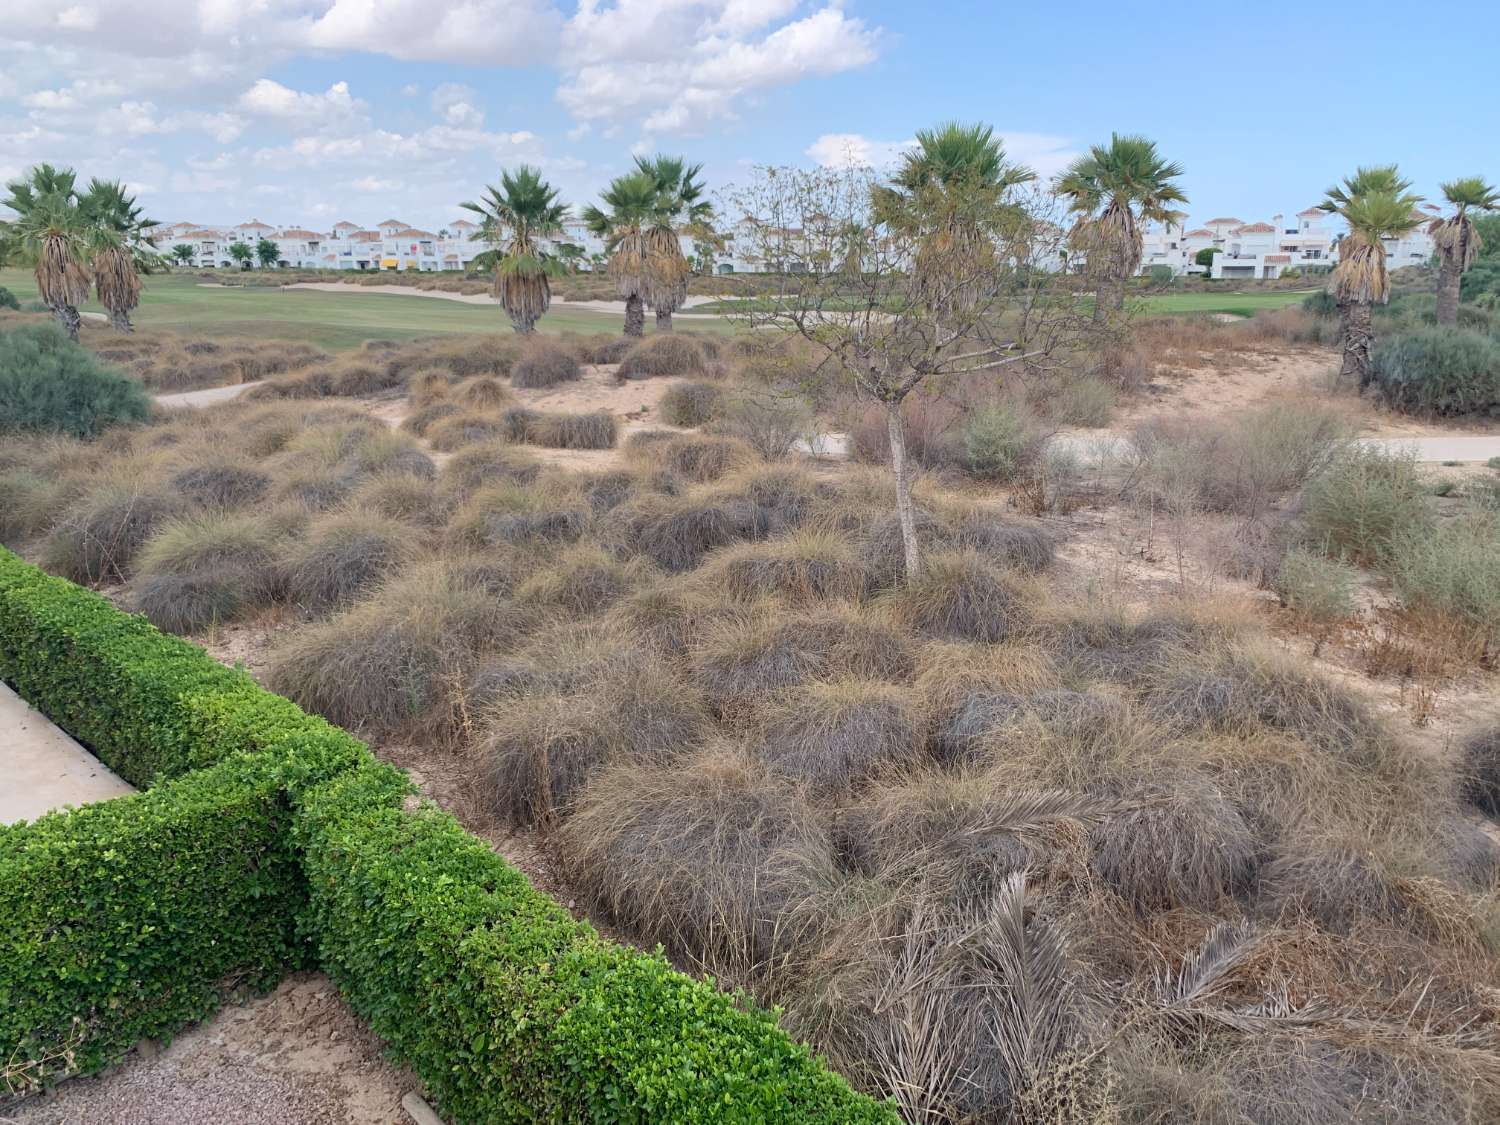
119,320
905,511
1358,335
635,315
68,318
664,320
1450,277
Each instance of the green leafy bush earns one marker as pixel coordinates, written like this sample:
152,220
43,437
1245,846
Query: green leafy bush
1314,587
1452,568
997,442
1440,371
49,383
1366,497
8,300
511,1010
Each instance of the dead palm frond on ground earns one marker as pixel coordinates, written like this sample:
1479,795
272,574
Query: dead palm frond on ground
516,217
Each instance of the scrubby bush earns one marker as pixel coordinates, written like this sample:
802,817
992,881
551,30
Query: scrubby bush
544,364
1362,500
51,384
608,351
1451,568
400,495
582,581
666,353
770,419
1480,770
8,300
1319,589
1087,402
691,404
998,442
704,458
511,512
1440,370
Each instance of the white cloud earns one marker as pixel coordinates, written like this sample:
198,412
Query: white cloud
456,105
488,32
372,184
674,67
843,150
273,100
1043,153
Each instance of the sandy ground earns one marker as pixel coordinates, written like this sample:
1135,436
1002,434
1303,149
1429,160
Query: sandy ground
44,768
297,1056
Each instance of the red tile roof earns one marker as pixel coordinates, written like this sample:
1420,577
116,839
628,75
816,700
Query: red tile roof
345,223
393,223
1255,228
1310,211
300,234
1201,232
413,232
1216,222
254,224
365,236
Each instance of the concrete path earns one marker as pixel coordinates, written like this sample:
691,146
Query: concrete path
44,768
206,397
1096,445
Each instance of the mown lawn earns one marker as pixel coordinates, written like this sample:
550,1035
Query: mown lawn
329,320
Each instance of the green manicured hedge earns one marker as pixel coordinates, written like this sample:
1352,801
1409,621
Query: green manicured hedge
149,705
512,1011
270,836
124,919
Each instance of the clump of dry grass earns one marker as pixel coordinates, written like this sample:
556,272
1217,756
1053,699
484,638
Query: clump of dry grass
511,512
396,661
663,354
582,581
207,569
221,483
400,495
960,596
1180,843
1337,884
455,431
983,723
676,532
694,457
423,388
97,537
483,392
482,463
342,558
710,856
691,404
804,566
424,417
543,746
595,429
459,355
1480,770
544,364
1008,541
835,736
743,660
608,351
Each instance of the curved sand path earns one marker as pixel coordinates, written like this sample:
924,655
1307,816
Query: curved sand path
466,298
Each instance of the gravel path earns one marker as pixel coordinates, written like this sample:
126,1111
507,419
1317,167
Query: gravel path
297,1056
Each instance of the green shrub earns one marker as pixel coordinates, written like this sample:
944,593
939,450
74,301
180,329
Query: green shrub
51,384
1314,587
1319,304
508,1008
1161,275
1366,497
1452,568
997,442
1440,371
8,300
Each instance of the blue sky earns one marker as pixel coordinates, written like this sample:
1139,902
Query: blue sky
309,111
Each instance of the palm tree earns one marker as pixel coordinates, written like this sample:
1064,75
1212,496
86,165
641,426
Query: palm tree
1458,242
570,254
948,193
48,231
119,248
682,207
183,253
1113,190
515,218
635,205
1378,179
1360,280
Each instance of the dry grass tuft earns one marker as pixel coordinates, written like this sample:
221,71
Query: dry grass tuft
511,512
204,570
663,354
595,429
343,558
400,495
691,404
805,566
960,596
483,392
97,537
475,466
1480,770
222,484
582,582
677,532
836,736
544,364
455,431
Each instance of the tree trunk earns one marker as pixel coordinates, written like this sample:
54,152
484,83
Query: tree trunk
119,320
1109,297
664,320
635,316
68,317
1450,277
1358,335
904,509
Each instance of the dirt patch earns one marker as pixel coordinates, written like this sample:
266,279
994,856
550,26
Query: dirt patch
297,1056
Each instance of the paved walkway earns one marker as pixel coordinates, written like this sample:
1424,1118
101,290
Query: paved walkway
206,397
1095,444
44,768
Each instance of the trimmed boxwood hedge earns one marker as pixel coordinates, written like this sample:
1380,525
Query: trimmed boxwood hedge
513,1011
270,840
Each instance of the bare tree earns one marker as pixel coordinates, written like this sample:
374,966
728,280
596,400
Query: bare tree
908,284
